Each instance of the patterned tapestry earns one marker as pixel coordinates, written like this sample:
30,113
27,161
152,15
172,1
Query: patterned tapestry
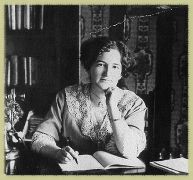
144,59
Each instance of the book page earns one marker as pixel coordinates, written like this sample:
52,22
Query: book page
85,162
112,161
174,165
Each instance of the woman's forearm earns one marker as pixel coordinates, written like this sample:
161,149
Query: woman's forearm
130,141
45,145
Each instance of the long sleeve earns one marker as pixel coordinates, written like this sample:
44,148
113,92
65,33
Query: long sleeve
45,145
48,133
52,125
63,120
128,136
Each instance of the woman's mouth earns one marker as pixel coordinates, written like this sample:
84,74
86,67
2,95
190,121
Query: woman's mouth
104,79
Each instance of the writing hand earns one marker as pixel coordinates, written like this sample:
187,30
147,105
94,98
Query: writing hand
66,155
73,153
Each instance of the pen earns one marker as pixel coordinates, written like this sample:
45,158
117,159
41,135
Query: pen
68,144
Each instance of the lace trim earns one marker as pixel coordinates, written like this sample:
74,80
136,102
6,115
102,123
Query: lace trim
40,140
79,105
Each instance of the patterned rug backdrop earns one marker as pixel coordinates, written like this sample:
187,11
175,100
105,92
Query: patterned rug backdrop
140,36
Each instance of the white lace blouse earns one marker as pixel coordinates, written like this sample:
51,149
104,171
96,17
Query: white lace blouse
72,115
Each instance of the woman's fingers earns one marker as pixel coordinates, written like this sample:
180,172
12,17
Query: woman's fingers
63,156
69,156
112,95
77,152
66,154
71,151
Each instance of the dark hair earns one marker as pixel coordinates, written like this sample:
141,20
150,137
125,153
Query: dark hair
93,47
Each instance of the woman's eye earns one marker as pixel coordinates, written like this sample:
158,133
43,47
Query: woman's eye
115,67
99,65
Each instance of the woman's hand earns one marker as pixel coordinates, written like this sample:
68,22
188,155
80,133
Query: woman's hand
113,97
66,155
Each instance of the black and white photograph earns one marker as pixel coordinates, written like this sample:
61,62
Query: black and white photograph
96,89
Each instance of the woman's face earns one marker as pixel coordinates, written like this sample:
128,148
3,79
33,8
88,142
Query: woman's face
106,71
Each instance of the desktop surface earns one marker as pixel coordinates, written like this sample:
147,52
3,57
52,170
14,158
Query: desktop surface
30,163
33,164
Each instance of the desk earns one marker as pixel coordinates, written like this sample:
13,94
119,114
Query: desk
30,163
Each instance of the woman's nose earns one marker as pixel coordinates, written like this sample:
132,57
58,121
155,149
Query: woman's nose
107,71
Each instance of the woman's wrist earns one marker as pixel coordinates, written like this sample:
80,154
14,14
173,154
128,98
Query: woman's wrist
116,119
115,114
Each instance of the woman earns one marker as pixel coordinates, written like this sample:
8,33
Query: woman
97,115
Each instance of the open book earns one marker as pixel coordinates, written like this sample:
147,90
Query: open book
101,160
175,166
